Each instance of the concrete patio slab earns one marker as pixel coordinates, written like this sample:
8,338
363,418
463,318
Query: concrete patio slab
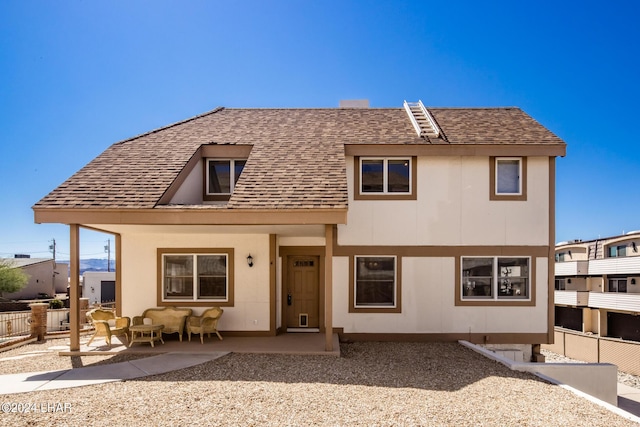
290,343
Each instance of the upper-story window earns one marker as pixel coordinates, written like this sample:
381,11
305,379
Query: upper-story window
617,251
617,285
563,256
221,177
508,173
387,175
508,178
385,178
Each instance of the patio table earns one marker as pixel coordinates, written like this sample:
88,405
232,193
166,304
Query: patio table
146,333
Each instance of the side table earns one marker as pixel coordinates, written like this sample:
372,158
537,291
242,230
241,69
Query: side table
146,333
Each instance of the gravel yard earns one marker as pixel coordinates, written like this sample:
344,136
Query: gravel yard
371,384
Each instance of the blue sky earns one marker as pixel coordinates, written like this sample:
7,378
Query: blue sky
77,76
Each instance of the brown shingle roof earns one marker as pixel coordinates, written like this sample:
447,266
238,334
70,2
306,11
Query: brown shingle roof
297,160
491,126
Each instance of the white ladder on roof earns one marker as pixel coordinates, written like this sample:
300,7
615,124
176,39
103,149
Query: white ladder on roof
421,119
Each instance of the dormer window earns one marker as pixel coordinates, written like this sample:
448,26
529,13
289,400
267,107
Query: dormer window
221,177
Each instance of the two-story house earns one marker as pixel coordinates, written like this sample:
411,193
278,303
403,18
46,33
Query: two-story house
598,286
377,223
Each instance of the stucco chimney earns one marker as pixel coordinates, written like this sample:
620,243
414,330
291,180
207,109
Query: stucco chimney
354,103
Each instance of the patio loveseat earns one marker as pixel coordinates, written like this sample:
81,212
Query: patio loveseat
172,318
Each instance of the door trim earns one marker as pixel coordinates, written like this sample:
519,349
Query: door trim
288,251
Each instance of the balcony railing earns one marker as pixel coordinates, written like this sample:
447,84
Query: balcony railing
619,265
571,268
606,300
615,301
573,298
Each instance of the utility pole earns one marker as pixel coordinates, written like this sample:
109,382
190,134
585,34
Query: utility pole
107,249
52,248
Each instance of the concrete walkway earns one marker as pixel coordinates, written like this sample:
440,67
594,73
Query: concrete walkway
629,399
50,380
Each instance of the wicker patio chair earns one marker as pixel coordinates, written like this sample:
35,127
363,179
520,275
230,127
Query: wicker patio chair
205,324
107,324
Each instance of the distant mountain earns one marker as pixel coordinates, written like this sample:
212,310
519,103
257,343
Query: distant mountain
92,264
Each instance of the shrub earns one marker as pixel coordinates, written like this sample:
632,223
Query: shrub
56,303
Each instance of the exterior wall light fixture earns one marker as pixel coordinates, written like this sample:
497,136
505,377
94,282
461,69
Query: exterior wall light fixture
633,281
250,260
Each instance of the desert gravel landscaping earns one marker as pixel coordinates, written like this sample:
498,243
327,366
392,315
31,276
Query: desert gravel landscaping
370,384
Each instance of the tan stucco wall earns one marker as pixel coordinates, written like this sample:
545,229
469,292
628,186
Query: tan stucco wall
190,192
595,284
577,284
251,310
452,208
428,303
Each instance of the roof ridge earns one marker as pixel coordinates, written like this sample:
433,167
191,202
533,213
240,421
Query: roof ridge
513,107
215,110
313,108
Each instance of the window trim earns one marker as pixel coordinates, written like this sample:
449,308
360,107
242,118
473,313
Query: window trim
493,180
397,307
228,302
617,248
617,280
413,180
460,300
207,195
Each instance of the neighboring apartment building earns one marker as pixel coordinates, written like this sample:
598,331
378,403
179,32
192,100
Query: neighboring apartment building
598,286
376,223
45,277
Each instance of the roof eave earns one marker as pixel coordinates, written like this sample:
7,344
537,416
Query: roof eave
181,216
458,149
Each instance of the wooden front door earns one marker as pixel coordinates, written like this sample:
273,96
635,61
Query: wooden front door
302,296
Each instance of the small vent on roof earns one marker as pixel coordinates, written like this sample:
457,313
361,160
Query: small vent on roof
422,121
354,103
